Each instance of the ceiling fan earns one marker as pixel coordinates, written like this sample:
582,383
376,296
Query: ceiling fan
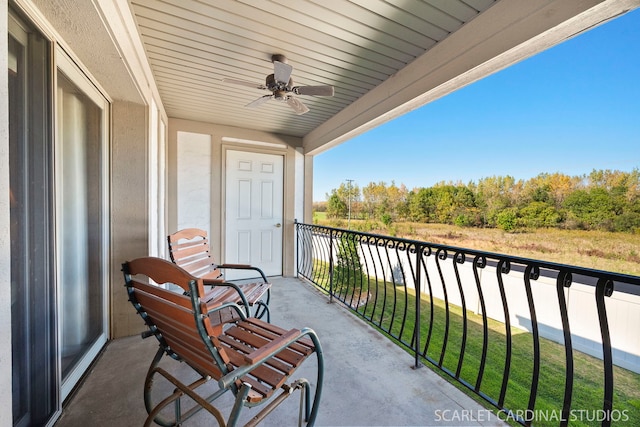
281,86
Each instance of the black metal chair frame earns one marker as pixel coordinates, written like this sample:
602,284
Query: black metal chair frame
249,357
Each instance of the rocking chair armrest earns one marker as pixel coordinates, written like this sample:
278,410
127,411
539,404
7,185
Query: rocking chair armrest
267,350
263,354
244,267
214,306
213,282
222,282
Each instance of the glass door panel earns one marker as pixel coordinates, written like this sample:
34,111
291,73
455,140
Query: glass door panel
33,333
81,201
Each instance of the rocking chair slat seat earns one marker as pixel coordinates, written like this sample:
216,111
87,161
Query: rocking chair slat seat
248,356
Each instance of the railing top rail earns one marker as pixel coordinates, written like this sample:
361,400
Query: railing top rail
574,270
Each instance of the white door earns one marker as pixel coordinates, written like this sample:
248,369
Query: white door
253,214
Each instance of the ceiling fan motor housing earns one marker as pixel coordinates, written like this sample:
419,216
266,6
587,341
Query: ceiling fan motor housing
273,85
278,57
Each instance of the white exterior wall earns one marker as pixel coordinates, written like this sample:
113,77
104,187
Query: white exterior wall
194,181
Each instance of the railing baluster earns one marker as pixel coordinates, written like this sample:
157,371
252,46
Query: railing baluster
331,267
426,252
400,247
459,258
416,285
351,263
384,299
532,272
299,241
374,244
441,254
327,244
316,263
604,287
365,262
480,262
564,281
412,249
504,267
388,245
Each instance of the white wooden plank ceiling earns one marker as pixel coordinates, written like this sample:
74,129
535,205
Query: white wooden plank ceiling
352,45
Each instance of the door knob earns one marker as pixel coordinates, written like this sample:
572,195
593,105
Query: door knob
278,225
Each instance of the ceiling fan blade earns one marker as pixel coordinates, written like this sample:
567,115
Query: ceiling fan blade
313,90
244,83
259,101
298,106
282,72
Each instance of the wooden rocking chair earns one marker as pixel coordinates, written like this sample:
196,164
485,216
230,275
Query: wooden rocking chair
250,357
189,248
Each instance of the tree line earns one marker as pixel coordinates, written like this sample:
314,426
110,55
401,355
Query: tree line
601,200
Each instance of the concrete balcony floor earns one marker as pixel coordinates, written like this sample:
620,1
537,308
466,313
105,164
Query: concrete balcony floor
368,379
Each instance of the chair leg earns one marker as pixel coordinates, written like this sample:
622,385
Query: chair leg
305,398
148,385
304,387
238,404
181,389
311,416
262,309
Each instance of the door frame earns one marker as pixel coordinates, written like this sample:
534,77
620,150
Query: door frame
65,64
223,193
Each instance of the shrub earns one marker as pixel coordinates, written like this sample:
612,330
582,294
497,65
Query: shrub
507,219
386,219
348,274
539,214
628,221
463,220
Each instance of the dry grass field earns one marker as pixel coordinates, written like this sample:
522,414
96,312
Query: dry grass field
615,252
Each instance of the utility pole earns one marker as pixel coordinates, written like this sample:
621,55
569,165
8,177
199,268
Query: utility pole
349,203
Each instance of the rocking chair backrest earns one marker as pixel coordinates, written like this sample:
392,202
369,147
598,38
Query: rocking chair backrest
189,248
172,316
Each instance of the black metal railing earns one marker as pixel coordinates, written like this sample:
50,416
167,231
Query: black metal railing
501,326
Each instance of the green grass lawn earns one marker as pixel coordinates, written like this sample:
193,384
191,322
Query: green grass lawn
392,310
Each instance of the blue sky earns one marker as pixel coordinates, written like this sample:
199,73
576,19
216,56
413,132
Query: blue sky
570,109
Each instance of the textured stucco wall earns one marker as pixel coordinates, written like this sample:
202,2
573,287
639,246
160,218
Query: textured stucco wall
129,212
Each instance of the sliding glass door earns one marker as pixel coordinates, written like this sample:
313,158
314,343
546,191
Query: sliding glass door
33,328
81,218
59,175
